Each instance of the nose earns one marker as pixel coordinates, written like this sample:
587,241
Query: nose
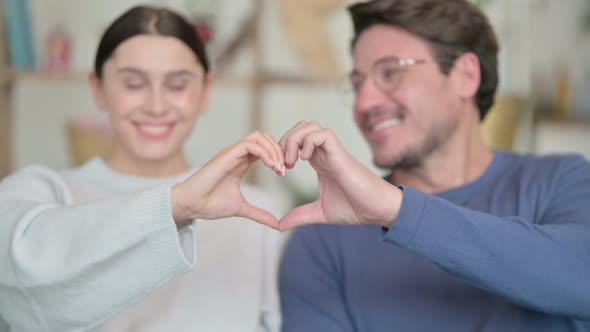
156,104
369,97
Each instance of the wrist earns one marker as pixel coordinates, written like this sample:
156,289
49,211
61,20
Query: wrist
394,200
181,213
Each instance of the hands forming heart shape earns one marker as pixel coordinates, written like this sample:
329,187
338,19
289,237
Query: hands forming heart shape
349,193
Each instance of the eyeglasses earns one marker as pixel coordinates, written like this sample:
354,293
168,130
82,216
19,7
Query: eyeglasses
386,74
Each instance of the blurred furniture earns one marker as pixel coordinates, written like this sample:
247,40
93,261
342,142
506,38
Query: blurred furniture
306,25
5,103
562,135
500,127
88,137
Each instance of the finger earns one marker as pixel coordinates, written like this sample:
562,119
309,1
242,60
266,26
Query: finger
257,150
294,142
235,156
283,139
259,215
287,137
266,141
311,142
307,214
278,153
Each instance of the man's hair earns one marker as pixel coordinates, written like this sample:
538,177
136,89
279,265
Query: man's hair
450,27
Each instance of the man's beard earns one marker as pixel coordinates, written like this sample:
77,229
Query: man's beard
414,157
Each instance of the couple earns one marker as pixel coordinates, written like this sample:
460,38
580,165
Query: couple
457,237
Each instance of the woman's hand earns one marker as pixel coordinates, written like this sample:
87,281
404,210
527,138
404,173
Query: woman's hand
213,192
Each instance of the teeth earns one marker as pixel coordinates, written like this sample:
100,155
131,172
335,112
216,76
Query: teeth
385,124
155,130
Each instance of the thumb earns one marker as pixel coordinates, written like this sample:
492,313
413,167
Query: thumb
311,213
259,215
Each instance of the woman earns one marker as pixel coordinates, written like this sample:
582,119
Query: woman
111,245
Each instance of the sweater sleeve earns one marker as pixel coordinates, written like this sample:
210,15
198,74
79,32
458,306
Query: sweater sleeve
542,264
69,267
3,326
310,283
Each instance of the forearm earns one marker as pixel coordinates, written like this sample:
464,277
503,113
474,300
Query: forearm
543,267
99,256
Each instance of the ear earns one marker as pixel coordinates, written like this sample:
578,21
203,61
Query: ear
97,90
466,75
206,93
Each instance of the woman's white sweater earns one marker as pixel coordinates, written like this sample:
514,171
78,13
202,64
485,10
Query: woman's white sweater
91,249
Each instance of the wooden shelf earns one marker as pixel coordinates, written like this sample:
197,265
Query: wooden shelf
265,78
5,104
22,75
570,120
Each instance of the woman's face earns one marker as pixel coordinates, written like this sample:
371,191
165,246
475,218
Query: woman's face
154,88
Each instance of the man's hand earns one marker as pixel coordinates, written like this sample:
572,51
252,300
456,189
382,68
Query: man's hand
349,193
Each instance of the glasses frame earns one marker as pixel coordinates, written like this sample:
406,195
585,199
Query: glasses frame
403,64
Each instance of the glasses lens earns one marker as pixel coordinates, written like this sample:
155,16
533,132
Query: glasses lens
387,75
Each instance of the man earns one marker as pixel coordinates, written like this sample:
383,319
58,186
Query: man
457,237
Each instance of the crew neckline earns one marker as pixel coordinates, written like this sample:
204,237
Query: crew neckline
499,160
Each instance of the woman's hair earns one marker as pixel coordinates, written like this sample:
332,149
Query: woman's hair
146,20
450,27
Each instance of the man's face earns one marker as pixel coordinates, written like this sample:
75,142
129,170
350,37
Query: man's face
406,112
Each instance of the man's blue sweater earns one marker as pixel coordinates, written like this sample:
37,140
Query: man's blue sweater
507,252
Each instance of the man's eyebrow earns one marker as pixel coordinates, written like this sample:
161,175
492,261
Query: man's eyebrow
387,58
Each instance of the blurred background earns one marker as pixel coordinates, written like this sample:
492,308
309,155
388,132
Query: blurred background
277,62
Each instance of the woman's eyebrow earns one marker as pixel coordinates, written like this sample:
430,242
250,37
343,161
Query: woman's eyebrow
168,75
182,72
130,70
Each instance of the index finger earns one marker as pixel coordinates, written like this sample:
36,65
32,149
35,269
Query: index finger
282,141
292,142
